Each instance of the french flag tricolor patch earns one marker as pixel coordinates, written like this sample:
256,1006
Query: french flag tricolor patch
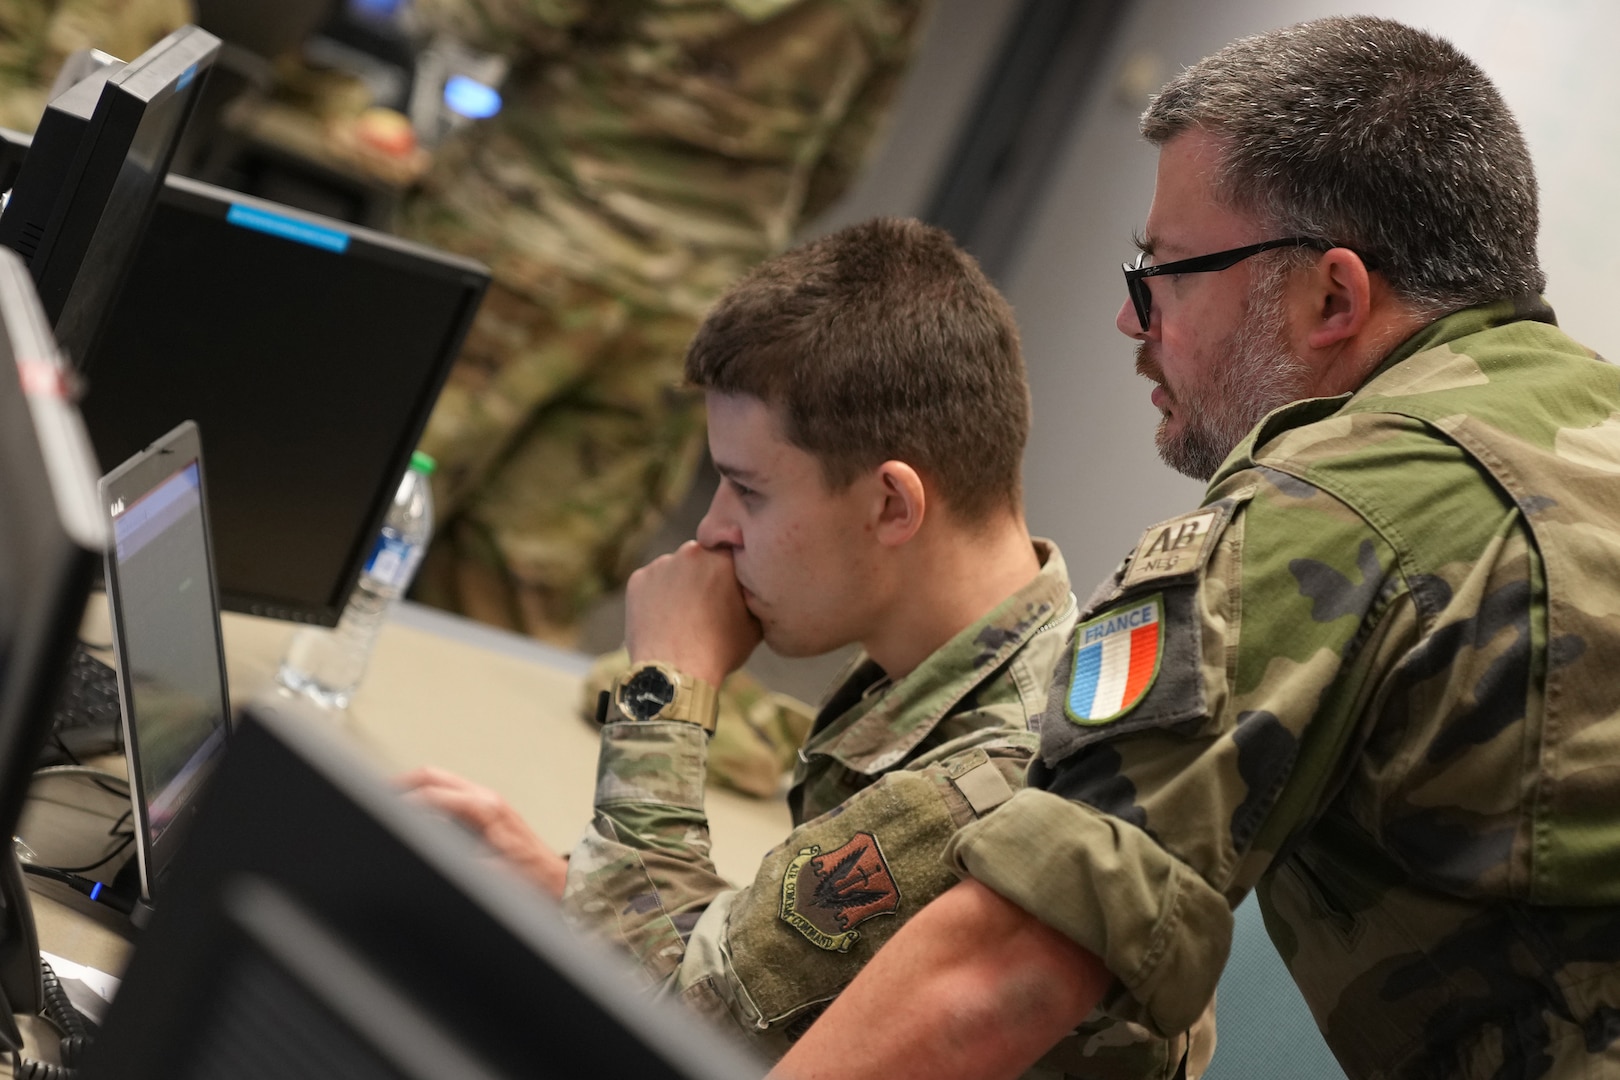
1116,659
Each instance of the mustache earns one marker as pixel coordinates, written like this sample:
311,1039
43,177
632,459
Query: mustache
1146,366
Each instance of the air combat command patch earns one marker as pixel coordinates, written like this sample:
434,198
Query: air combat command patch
824,897
1116,658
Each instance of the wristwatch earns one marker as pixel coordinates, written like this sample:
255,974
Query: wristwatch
655,691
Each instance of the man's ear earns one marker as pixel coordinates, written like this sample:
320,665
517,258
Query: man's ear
1341,297
904,505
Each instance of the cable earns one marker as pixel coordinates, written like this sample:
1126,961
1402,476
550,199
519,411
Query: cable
75,1027
29,1069
98,891
84,770
101,775
112,830
78,768
125,839
59,1008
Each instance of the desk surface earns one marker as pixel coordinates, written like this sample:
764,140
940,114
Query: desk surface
497,708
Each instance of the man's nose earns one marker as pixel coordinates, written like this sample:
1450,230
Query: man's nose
1127,322
718,529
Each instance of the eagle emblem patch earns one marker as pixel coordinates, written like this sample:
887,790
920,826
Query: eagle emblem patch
1116,659
825,896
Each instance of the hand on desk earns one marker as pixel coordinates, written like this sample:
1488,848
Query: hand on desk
687,610
490,816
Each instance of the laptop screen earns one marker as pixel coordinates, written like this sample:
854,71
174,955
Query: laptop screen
169,651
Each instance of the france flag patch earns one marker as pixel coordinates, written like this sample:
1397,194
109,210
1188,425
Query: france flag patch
1116,659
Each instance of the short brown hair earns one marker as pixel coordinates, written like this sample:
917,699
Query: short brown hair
1369,133
881,341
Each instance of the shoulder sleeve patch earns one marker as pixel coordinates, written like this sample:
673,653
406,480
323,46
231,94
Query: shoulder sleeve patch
826,895
1134,666
1116,659
1176,548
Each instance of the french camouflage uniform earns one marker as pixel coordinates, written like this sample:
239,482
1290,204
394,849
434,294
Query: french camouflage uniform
36,36
1374,677
648,153
888,773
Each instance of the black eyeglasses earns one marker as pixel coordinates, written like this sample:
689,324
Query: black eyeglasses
1142,298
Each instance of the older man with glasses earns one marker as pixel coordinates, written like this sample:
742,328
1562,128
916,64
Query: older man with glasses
1371,676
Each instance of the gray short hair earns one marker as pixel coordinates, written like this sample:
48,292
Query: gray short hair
1370,134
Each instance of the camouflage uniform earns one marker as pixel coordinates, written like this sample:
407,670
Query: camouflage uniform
1384,694
649,153
37,35
886,776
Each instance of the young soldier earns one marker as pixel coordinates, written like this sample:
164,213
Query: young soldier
867,414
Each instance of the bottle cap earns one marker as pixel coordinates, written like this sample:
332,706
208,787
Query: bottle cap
423,463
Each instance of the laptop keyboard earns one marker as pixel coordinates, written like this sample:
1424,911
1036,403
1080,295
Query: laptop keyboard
86,720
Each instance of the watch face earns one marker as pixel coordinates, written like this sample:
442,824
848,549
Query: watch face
646,692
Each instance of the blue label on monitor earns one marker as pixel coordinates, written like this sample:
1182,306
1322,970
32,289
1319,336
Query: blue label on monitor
185,78
287,228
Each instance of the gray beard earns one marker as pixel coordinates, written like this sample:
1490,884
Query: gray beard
1255,374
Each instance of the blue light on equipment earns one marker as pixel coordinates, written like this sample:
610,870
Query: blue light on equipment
376,9
96,892
288,228
471,98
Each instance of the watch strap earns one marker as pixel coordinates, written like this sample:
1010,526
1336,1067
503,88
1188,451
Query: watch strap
695,701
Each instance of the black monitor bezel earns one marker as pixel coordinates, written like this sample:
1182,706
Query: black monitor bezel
76,279
52,534
45,450
471,277
175,67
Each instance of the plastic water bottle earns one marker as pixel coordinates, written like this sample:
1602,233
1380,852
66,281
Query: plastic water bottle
326,666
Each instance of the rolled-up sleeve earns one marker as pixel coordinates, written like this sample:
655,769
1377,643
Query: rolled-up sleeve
1151,919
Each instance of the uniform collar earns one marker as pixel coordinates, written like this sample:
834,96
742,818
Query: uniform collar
1447,328
870,732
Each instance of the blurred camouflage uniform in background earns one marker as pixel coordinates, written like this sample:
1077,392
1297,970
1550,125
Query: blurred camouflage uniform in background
647,154
1385,699
649,151
37,35
889,772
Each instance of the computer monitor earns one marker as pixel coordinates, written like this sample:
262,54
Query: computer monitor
309,352
51,535
318,924
84,193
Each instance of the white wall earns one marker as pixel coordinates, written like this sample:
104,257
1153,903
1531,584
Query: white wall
956,49
1093,480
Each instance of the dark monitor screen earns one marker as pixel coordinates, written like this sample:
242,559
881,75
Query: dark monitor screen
317,924
51,530
309,352
78,215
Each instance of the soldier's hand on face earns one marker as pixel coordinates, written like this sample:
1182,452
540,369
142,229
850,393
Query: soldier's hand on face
491,817
686,609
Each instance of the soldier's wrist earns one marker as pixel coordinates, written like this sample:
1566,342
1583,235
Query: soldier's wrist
654,690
